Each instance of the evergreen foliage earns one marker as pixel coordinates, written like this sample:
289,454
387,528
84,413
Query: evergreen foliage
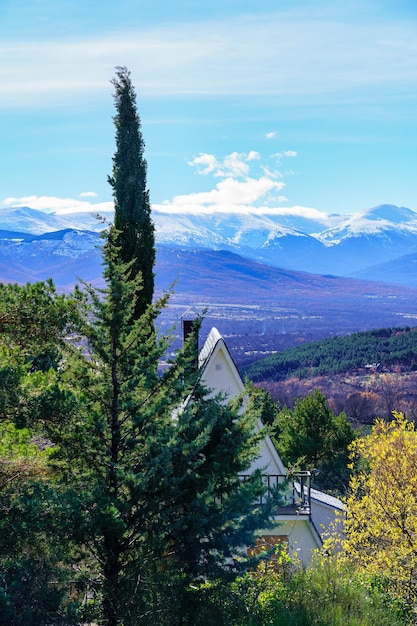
35,323
386,347
164,505
35,320
312,437
37,564
132,207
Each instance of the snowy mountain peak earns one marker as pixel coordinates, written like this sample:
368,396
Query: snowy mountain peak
390,213
379,221
26,220
340,244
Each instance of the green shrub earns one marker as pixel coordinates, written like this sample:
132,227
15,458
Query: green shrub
326,594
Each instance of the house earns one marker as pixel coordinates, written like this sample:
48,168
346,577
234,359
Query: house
307,513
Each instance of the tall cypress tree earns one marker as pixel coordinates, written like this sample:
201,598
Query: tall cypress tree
156,479
132,220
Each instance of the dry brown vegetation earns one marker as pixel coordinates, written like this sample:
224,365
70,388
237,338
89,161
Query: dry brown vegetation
363,394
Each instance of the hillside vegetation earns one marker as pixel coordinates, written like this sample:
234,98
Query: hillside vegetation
381,348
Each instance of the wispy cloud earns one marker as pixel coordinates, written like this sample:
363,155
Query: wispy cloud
236,164
205,163
88,194
279,156
59,206
318,54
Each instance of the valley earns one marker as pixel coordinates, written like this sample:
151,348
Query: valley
267,282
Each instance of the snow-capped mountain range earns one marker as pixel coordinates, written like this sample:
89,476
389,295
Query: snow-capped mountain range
376,244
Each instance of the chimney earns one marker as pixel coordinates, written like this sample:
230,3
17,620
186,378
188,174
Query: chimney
188,321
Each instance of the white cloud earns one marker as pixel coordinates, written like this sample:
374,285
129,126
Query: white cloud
236,164
88,194
205,163
195,206
229,197
231,192
286,153
247,186
59,206
271,135
271,173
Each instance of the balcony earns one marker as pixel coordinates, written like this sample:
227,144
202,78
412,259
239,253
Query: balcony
295,492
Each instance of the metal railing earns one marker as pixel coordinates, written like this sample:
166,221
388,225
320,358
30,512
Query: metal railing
295,491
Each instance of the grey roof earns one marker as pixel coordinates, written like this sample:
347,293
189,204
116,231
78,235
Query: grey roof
212,338
325,498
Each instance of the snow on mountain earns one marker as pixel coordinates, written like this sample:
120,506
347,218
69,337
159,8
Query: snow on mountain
223,229
383,221
182,230
26,220
346,244
254,230
67,243
391,213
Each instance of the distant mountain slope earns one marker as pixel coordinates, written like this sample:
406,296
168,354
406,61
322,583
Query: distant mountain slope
259,308
380,348
63,255
26,220
225,275
401,271
343,245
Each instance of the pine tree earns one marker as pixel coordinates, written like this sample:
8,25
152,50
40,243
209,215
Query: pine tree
128,181
36,559
160,497
148,464
311,435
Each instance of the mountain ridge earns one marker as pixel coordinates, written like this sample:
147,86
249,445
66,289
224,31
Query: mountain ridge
258,306
345,245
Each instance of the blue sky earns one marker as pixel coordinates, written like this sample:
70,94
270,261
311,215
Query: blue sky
246,105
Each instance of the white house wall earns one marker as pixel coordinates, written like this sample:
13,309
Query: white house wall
298,532
220,375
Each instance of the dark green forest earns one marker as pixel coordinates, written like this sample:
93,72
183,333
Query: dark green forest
385,347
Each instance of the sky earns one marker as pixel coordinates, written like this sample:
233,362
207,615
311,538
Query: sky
246,105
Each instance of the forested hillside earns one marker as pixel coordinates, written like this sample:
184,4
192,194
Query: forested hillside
385,347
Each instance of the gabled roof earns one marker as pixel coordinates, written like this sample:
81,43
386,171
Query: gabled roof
220,375
212,338
219,371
